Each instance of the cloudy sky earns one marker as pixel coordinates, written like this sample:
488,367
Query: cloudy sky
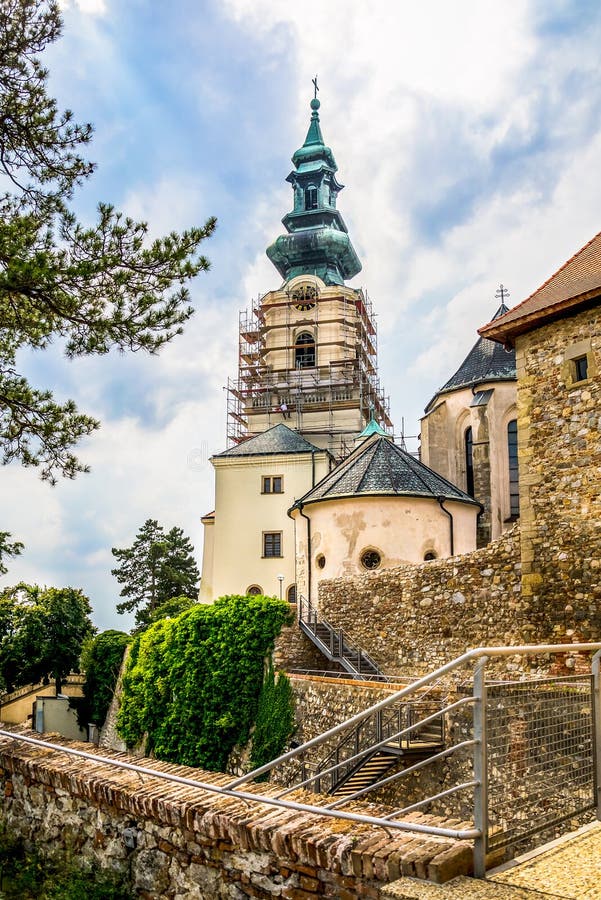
467,133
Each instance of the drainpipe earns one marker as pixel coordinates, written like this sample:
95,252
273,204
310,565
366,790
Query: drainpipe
441,501
300,509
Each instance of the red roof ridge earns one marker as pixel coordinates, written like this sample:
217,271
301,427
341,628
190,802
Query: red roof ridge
511,312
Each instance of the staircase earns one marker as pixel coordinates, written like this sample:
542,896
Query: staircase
368,771
335,644
413,731
401,736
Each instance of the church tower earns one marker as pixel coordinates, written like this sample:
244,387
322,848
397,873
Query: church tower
308,350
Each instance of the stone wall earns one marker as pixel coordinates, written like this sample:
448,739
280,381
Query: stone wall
412,619
322,703
559,428
294,650
185,843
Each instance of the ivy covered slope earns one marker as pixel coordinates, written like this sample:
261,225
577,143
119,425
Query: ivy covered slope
192,683
101,661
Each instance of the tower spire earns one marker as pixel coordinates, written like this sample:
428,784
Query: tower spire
317,241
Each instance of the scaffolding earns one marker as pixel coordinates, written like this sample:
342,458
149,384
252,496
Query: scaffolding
315,396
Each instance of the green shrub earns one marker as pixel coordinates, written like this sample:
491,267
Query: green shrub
192,683
101,662
275,720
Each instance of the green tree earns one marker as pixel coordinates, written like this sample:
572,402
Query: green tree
155,569
101,661
94,288
42,631
8,549
191,684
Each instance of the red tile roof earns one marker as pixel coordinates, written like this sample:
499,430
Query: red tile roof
578,280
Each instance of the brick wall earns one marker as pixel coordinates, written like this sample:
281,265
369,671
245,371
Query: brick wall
190,843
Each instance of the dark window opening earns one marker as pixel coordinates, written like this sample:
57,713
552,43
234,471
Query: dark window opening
272,543
581,368
291,594
304,351
321,561
311,198
254,590
512,452
430,555
370,559
272,484
469,461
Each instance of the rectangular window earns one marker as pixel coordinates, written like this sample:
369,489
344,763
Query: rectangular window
272,543
580,368
272,484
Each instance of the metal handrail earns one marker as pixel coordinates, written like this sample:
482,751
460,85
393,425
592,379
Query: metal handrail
447,668
322,773
339,636
478,784
400,715
245,796
478,833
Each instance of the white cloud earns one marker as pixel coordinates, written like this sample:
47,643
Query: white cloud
469,144
89,7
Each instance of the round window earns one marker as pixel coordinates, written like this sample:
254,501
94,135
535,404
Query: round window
370,559
430,555
321,561
254,590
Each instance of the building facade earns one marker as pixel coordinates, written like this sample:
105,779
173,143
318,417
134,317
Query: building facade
556,333
307,384
469,433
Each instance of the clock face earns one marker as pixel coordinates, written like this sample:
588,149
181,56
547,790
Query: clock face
304,297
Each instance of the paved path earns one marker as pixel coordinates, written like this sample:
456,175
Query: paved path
569,869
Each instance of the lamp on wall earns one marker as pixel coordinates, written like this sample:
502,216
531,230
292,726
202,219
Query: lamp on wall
281,580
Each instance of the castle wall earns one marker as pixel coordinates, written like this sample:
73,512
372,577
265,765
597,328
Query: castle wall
177,841
559,428
400,529
414,618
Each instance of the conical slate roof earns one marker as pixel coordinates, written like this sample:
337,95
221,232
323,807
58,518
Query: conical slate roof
486,361
279,439
379,467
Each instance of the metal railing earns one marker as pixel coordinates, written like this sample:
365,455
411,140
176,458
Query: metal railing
336,644
483,758
483,747
246,797
397,731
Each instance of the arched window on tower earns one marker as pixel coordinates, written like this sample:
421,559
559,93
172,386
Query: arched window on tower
469,461
311,198
512,454
304,350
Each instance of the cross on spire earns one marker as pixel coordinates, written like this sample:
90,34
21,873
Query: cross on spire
314,80
501,293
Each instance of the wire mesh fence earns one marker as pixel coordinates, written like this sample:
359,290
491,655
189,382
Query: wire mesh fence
540,756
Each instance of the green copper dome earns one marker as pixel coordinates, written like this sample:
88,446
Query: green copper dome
317,242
